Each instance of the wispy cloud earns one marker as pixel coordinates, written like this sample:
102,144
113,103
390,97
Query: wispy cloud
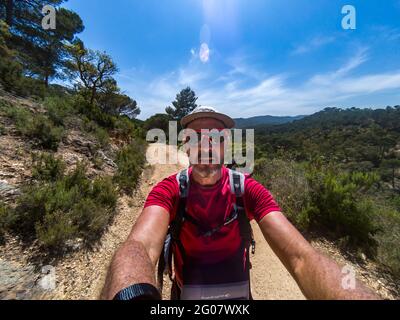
354,62
387,33
313,44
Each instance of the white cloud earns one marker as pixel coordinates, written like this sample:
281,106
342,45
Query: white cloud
313,44
260,94
355,61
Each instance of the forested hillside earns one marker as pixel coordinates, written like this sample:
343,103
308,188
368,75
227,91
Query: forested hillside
264,120
338,172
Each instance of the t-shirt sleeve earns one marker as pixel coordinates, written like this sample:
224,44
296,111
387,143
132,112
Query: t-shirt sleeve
258,200
165,194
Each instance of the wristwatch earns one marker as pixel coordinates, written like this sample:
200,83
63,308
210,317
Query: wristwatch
140,291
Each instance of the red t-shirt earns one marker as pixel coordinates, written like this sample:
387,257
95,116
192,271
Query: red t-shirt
210,206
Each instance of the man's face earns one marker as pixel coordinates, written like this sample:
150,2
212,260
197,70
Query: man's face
206,155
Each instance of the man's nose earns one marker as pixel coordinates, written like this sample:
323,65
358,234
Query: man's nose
205,143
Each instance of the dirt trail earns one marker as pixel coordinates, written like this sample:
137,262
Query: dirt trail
82,275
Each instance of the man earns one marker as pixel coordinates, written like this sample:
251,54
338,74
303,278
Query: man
210,252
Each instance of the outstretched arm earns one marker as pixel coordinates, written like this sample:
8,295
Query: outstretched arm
134,262
317,276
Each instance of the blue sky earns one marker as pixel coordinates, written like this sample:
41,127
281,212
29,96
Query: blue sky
249,57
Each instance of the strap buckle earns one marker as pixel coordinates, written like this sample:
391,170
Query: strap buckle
253,246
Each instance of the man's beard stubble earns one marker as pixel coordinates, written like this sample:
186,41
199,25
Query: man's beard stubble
207,170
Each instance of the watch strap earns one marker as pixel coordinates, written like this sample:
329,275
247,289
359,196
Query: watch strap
140,291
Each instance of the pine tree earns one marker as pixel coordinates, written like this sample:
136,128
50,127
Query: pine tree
184,103
94,69
42,52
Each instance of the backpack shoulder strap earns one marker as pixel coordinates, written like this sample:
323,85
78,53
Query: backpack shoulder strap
165,261
236,181
183,182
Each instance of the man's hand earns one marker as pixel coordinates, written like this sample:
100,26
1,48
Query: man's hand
135,261
317,276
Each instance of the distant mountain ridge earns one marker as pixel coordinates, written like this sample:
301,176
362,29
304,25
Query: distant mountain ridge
265,120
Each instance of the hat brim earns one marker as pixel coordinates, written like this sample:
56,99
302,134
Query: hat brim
226,120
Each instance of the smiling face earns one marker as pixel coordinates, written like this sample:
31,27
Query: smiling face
206,156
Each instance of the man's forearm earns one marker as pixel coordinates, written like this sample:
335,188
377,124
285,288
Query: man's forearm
131,264
319,277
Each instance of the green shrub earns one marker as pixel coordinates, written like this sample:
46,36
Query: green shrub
27,87
99,133
46,167
91,219
315,196
68,208
287,181
47,134
10,75
104,193
388,239
2,130
94,113
126,129
338,203
55,229
58,109
4,219
10,68
102,137
130,161
21,117
36,126
103,119
98,162
396,202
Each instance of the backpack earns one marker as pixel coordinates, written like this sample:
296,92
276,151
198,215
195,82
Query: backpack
236,181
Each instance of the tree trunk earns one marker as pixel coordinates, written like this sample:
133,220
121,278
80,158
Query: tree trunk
393,176
46,81
10,12
92,96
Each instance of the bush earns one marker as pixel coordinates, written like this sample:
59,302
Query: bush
102,137
388,252
396,202
338,203
55,229
315,197
21,117
2,130
36,126
68,208
10,75
58,109
46,167
94,113
4,219
130,161
43,130
126,129
99,133
287,181
10,68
